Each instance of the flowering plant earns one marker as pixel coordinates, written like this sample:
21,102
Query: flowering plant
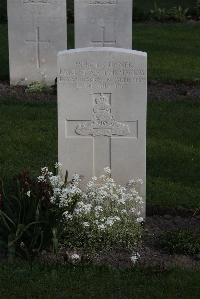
25,218
102,216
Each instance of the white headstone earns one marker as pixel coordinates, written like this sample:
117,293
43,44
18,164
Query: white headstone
103,23
102,102
37,31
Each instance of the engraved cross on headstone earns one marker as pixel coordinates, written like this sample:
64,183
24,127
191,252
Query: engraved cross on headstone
103,42
37,41
102,128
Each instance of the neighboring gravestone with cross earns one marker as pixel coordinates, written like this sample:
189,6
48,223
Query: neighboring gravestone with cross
37,31
103,23
102,101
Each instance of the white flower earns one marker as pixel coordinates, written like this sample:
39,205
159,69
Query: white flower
56,181
44,170
94,178
107,170
76,178
101,227
57,191
22,245
88,208
98,209
133,210
75,258
90,184
97,214
122,201
109,221
135,257
139,199
139,181
67,215
140,220
86,224
28,193
102,204
41,179
58,165
131,182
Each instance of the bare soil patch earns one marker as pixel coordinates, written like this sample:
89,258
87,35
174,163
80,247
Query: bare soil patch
150,255
19,93
173,91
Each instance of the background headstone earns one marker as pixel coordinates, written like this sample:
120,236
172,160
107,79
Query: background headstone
103,23
37,31
102,101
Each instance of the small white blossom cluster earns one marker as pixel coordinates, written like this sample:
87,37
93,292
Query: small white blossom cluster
103,200
63,193
45,173
135,257
104,203
103,209
75,258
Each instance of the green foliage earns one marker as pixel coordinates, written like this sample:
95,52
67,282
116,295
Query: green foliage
35,216
36,87
141,9
194,12
90,240
158,14
176,14
180,242
146,6
102,215
28,221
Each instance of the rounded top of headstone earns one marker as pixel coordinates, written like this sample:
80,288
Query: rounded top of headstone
102,49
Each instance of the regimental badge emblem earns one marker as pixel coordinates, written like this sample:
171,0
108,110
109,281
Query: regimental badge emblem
103,123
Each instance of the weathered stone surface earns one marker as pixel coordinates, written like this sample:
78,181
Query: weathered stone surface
103,23
37,31
102,100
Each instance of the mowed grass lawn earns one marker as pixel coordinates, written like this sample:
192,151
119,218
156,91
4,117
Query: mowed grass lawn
173,50
29,141
20,282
